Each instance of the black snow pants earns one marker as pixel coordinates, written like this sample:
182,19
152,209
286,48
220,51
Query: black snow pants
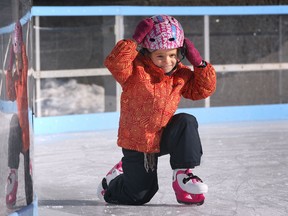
137,186
15,145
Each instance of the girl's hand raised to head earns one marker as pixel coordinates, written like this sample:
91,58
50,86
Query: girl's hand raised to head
142,29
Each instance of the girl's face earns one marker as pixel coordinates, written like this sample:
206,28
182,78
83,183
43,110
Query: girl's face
165,59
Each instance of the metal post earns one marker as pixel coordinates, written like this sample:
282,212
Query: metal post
207,48
37,66
280,86
119,34
15,10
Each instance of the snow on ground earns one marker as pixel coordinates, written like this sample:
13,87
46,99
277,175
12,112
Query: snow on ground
71,97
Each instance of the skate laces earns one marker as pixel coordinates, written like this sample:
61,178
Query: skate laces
191,176
11,180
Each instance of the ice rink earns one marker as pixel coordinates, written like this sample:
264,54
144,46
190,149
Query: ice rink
244,165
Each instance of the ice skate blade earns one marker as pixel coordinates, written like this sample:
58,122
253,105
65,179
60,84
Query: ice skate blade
191,203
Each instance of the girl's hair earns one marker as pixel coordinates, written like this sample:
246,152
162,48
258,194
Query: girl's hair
180,52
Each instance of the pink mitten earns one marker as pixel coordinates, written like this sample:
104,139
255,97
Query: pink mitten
142,29
192,54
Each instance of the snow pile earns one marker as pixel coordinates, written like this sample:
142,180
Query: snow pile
71,97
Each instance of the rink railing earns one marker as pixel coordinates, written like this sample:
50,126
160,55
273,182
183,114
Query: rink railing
120,11
152,10
110,120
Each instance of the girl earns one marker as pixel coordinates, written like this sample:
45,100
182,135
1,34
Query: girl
153,79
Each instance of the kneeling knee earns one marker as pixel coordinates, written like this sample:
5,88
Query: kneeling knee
187,119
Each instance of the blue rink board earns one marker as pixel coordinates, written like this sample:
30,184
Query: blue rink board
105,121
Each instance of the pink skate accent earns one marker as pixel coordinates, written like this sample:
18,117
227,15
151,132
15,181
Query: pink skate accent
103,192
11,189
188,188
114,172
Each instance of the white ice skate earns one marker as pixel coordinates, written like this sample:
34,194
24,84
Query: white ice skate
188,188
112,174
11,188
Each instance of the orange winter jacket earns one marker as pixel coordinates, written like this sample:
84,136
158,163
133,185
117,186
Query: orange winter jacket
150,98
16,88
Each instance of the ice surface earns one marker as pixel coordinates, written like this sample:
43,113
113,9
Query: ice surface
244,165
